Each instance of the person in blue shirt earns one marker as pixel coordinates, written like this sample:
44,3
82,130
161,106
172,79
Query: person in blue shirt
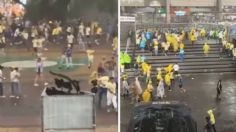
181,55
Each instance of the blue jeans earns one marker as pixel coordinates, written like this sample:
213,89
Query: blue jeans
15,89
101,92
181,56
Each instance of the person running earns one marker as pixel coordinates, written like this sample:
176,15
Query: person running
219,90
208,127
206,48
180,80
39,72
111,94
15,82
90,54
212,119
1,82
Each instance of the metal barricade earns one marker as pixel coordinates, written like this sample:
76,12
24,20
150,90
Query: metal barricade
68,113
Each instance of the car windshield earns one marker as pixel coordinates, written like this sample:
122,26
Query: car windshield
159,120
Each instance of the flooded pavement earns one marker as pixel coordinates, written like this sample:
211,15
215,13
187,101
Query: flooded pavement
200,97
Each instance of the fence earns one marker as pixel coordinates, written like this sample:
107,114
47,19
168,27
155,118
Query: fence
64,113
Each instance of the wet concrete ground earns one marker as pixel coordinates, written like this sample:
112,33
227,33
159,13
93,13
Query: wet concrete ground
200,96
15,115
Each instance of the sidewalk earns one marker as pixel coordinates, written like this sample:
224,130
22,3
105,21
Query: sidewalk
36,129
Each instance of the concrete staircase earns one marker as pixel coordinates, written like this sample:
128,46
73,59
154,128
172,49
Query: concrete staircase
195,60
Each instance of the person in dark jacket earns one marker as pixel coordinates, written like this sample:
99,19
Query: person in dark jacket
219,90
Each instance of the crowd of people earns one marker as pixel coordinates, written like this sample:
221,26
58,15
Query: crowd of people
151,85
104,83
36,38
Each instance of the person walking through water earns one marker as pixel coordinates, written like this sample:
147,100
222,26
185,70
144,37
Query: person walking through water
39,72
212,119
208,127
219,90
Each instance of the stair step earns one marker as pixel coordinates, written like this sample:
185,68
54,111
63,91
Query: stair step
217,70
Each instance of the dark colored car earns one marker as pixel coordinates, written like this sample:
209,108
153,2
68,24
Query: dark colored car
162,117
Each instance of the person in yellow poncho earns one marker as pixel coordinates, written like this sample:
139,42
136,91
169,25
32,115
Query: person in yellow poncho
181,45
206,48
168,81
203,33
144,68
146,95
212,119
169,68
192,38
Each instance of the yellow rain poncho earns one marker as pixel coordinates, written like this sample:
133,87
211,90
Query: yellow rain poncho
167,79
146,95
206,48
212,117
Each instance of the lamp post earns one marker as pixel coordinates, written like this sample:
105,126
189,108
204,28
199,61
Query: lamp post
168,11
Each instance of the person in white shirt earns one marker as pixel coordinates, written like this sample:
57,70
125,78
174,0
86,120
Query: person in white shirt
15,81
1,83
111,94
176,69
70,39
81,29
87,33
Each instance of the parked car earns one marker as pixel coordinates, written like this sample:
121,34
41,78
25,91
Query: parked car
162,117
